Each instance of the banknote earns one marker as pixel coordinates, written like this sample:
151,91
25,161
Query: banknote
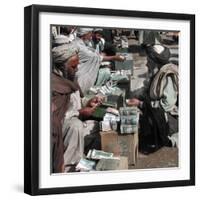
108,164
111,117
128,129
129,120
128,111
97,154
105,125
85,165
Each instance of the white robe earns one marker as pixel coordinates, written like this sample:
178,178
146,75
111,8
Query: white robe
89,63
74,131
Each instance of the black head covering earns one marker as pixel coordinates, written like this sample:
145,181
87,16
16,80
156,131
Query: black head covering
159,58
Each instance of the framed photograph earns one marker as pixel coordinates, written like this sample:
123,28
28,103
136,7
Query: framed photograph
109,99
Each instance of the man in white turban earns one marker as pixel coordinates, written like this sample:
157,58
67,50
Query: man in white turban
74,130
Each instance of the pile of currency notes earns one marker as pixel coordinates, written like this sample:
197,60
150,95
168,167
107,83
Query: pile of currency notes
97,160
97,154
121,74
108,164
129,117
110,88
86,165
110,120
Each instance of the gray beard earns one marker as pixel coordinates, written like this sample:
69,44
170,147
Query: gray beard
67,76
87,43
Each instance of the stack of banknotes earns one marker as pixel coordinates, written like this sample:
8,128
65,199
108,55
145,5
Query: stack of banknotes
97,154
86,165
129,117
101,160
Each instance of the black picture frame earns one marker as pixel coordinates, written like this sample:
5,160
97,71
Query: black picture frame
32,106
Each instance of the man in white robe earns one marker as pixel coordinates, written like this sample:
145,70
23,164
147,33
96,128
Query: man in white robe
89,59
73,129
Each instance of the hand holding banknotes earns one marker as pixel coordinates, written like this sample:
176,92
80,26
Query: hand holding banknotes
95,101
133,102
91,106
87,111
120,58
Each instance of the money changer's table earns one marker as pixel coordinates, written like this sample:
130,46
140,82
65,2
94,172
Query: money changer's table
121,144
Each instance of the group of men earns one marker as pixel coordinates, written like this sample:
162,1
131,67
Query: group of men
75,69
78,55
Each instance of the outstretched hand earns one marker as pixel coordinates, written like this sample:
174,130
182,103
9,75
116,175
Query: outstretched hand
120,58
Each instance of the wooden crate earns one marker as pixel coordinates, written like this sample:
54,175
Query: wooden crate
121,145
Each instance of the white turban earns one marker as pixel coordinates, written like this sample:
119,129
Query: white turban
61,39
62,53
98,30
83,31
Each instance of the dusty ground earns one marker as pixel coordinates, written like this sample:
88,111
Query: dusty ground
165,157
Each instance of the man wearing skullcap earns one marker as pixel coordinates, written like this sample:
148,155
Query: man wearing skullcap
83,31
65,60
98,41
161,95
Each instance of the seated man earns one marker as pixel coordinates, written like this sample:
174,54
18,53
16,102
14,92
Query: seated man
160,101
90,60
60,95
74,130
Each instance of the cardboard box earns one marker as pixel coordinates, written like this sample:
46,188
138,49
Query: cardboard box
121,145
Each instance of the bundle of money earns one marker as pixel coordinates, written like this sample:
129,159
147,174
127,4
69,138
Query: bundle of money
108,164
110,121
127,129
112,111
129,120
85,165
97,154
105,125
114,125
128,111
129,117
111,117
114,163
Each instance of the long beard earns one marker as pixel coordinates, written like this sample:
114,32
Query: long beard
68,76
87,43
